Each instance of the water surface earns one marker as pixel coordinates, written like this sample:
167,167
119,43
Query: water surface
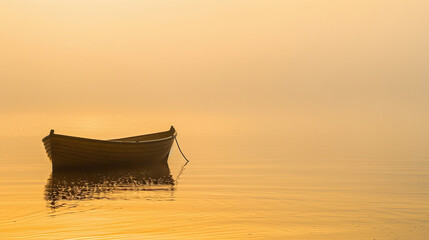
240,184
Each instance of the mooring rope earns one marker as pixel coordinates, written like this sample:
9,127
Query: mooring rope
180,173
177,143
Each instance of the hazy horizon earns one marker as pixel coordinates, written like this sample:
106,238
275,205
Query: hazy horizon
215,56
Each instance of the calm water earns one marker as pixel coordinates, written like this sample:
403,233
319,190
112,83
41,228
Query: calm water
243,181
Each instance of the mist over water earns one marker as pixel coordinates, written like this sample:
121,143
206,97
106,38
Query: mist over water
301,119
244,181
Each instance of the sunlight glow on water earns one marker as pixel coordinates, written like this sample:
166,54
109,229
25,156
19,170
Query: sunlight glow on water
232,189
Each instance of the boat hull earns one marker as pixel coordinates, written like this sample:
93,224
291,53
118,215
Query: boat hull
70,153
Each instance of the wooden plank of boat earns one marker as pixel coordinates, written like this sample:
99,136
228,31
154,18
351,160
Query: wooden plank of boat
68,152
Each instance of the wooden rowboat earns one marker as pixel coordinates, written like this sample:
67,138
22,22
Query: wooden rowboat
67,152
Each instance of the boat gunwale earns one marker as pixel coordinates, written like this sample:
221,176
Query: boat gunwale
117,141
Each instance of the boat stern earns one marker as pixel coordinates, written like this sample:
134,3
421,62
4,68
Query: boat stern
47,142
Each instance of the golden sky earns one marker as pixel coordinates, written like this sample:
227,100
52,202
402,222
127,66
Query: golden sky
215,56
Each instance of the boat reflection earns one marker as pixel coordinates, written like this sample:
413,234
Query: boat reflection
63,187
